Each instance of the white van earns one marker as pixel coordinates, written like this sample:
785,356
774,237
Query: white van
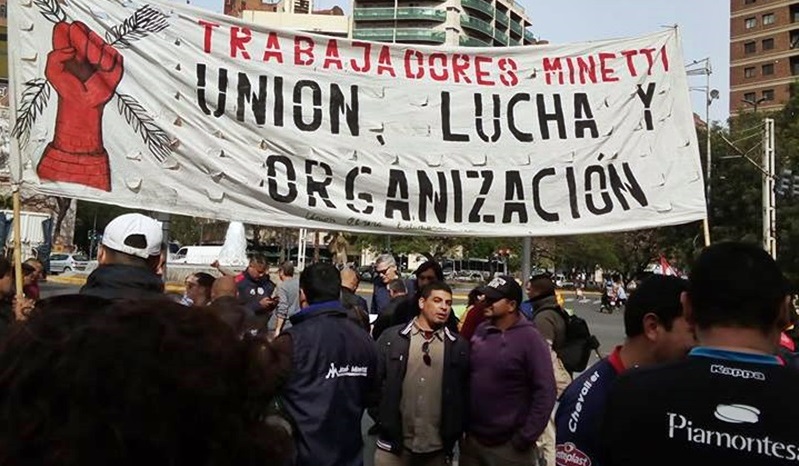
201,255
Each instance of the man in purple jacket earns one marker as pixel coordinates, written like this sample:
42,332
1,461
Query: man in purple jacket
512,389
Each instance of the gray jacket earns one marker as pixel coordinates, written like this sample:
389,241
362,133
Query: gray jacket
288,295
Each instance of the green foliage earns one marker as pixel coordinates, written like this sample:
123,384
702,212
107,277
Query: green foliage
736,196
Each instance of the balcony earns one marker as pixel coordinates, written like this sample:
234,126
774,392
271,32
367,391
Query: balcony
479,5
478,25
502,18
517,28
466,41
529,36
403,35
501,37
384,14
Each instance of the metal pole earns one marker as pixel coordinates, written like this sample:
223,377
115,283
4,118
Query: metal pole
769,210
394,36
301,248
527,248
93,244
707,122
166,221
706,222
17,241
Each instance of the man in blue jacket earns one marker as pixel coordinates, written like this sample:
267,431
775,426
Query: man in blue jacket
255,287
329,367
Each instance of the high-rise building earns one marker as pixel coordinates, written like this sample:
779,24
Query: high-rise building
3,53
764,53
480,23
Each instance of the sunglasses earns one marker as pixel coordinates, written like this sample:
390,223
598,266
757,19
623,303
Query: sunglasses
426,356
383,272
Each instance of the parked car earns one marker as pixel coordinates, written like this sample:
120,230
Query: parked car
366,273
199,255
61,262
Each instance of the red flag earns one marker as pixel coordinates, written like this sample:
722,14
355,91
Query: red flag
665,268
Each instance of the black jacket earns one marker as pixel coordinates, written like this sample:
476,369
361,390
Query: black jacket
117,281
393,347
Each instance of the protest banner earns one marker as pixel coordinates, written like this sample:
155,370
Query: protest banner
171,108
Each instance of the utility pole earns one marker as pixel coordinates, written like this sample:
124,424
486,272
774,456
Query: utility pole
527,249
769,208
302,240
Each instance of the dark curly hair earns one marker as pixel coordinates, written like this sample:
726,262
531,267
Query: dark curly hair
85,381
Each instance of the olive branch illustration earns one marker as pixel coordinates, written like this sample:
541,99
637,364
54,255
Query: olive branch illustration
36,93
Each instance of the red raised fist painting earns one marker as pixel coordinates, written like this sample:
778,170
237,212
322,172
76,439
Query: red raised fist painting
85,70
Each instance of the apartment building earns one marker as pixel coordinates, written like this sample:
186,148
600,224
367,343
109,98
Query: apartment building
478,23
764,53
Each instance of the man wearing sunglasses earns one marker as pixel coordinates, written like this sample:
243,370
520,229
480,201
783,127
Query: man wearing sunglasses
418,365
385,272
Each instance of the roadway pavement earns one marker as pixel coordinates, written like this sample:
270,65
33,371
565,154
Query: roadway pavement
608,328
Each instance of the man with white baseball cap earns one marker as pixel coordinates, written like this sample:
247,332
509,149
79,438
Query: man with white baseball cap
128,257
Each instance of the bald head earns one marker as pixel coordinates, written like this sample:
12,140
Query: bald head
224,286
349,279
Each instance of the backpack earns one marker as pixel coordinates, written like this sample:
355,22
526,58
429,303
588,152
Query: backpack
576,350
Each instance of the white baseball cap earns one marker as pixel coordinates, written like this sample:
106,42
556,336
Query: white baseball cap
119,232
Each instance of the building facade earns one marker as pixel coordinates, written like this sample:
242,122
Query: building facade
477,23
294,15
764,53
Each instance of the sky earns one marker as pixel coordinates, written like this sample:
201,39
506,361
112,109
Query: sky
704,27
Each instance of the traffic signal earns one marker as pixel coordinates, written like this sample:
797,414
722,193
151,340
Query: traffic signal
785,185
795,186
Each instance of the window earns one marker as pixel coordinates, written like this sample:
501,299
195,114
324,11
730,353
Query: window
768,94
794,66
749,2
750,96
768,19
749,72
750,47
750,23
768,44
767,69
794,39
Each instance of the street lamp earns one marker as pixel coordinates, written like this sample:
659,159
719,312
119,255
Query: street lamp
754,103
710,95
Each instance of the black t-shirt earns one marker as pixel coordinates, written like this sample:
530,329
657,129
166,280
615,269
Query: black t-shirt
716,407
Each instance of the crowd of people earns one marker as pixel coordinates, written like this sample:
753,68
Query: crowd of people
243,371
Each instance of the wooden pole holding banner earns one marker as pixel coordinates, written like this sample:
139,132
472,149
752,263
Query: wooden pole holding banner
17,241
706,231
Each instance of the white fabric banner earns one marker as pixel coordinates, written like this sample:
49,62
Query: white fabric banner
171,108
